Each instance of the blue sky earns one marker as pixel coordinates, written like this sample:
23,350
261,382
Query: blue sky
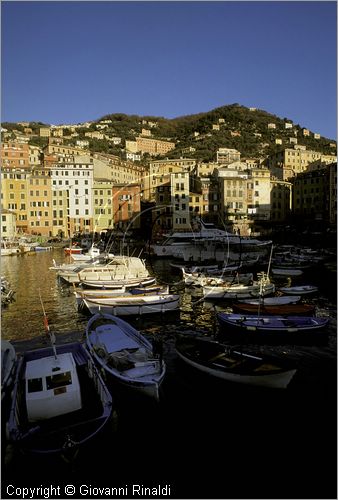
69,62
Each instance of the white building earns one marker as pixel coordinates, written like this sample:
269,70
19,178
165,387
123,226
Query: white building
73,183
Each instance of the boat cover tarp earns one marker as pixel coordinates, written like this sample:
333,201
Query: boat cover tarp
113,338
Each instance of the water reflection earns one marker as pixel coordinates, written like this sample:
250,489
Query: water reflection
29,275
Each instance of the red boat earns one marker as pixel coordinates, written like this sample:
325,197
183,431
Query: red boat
73,249
279,309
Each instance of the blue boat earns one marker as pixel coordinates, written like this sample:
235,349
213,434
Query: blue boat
273,327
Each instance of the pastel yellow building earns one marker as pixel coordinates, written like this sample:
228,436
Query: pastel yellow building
102,205
39,202
14,195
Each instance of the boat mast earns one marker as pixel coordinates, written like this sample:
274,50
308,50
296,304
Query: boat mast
270,258
265,280
45,321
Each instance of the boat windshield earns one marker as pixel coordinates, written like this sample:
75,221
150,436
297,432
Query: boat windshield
58,380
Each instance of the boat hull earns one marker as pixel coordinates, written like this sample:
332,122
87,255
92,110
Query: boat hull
125,355
236,292
286,310
62,435
274,329
133,307
299,290
246,369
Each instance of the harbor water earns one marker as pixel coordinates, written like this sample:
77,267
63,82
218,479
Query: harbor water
205,439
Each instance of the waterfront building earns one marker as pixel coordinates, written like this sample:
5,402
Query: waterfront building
126,200
233,187
311,196
39,209
14,195
102,204
162,213
280,200
179,185
8,224
77,180
258,195
205,203
159,173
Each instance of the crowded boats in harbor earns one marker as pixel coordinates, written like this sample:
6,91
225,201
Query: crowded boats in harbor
118,329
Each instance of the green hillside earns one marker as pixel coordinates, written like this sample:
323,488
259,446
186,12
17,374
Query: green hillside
239,128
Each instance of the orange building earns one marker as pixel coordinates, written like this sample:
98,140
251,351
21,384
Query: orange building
126,206
14,155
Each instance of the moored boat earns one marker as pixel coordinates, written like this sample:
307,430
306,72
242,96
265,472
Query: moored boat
59,401
121,268
286,272
125,291
298,290
234,364
73,249
281,328
134,304
125,355
281,309
8,367
115,284
275,301
259,288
